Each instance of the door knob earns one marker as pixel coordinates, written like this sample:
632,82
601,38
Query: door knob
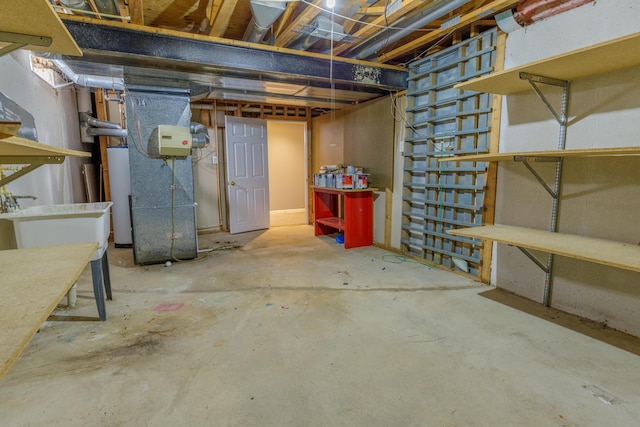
233,183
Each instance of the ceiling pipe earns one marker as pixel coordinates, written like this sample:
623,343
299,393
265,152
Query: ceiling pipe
265,14
114,83
420,19
530,11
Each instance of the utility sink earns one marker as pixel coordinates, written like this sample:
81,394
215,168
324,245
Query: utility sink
62,224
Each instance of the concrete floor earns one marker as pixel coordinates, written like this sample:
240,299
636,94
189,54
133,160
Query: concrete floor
280,328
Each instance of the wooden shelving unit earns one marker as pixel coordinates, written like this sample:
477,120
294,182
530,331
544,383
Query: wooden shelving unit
599,251
616,54
349,211
548,155
16,151
557,71
34,25
34,282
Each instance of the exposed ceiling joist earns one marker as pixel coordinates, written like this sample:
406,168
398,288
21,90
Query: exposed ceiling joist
224,17
471,17
290,32
136,12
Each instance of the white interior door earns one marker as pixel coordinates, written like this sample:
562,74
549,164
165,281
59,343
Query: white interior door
247,173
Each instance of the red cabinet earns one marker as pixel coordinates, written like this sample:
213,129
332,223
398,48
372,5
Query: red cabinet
350,211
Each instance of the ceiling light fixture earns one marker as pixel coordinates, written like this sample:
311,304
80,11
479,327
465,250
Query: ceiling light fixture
331,4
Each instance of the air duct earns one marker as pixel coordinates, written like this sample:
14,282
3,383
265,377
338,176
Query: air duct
265,14
113,83
424,17
199,135
319,28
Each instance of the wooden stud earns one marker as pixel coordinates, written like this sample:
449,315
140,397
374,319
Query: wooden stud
492,170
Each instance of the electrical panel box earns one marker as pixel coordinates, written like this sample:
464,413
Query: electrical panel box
174,141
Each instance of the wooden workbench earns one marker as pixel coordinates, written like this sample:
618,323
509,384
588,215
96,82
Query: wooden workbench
32,283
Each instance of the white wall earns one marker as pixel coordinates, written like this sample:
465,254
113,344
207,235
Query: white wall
287,172
599,196
56,117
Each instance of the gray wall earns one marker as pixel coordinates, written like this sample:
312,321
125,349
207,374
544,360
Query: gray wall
600,197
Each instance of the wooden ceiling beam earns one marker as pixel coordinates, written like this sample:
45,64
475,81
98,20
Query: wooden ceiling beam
125,12
221,23
290,33
284,18
212,11
492,8
136,11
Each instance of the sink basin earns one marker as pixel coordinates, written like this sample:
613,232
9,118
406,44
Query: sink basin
62,224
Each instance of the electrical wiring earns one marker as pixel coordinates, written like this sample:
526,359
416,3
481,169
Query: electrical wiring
400,259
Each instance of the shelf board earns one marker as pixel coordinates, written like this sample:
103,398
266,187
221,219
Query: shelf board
19,148
333,221
37,18
599,251
541,155
600,58
33,282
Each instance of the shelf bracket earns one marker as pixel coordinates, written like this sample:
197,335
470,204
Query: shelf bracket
533,80
17,41
534,259
561,118
552,193
34,164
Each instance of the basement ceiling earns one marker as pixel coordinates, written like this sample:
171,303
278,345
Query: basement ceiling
291,53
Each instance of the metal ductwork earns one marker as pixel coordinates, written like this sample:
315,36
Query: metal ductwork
423,17
92,121
199,135
265,14
320,28
113,83
118,133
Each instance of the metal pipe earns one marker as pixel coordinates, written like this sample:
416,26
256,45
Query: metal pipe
118,133
419,20
99,123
